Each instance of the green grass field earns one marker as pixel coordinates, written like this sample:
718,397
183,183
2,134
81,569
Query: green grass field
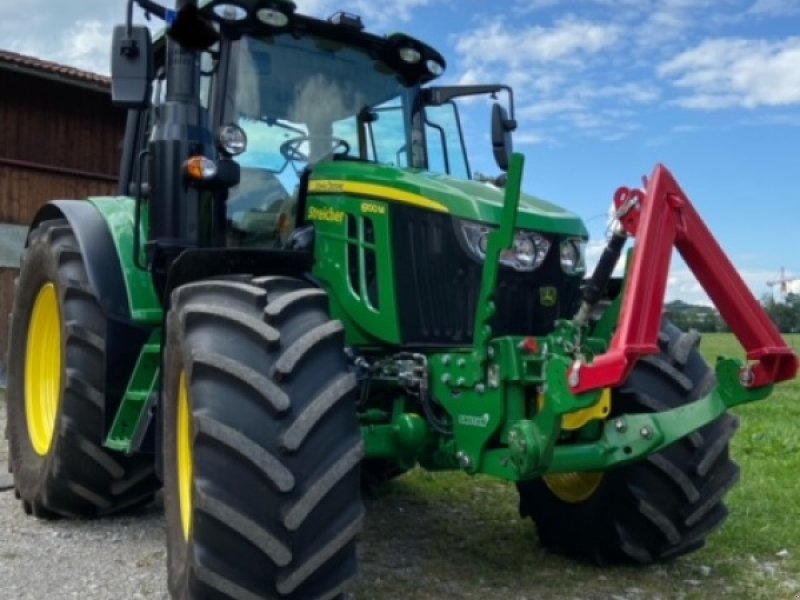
461,537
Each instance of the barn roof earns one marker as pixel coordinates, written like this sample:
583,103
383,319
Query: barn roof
42,68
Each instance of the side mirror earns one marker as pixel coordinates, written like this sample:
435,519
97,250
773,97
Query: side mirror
502,146
131,66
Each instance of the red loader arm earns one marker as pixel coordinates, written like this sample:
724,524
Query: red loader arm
663,217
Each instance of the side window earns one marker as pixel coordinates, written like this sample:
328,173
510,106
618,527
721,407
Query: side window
445,142
387,135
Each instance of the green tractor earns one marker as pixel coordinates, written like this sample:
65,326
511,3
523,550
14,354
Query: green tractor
300,288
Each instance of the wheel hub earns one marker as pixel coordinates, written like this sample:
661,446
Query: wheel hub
43,367
573,487
184,456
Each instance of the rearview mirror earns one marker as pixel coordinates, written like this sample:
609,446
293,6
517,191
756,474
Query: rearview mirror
131,66
502,145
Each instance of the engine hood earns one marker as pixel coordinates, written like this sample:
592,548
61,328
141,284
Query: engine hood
432,191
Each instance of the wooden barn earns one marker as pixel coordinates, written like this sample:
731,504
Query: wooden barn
60,137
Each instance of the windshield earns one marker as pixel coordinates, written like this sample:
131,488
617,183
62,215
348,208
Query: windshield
303,100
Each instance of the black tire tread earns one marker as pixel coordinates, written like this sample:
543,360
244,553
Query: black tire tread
79,477
661,507
299,443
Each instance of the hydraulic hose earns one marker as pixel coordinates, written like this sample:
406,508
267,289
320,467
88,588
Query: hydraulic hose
596,286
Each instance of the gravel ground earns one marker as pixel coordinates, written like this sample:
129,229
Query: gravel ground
120,558
415,546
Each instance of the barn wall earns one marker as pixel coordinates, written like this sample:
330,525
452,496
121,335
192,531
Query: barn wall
57,141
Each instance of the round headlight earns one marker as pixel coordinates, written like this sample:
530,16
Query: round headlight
524,251
228,11
232,140
528,252
572,256
272,17
410,55
434,68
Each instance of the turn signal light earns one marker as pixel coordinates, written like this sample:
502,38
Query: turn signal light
200,168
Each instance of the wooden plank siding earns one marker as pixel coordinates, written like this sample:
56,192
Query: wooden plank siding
58,140
23,191
48,122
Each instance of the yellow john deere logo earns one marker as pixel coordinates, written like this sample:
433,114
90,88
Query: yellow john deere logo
548,296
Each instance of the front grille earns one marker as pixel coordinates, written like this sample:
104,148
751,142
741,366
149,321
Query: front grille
438,284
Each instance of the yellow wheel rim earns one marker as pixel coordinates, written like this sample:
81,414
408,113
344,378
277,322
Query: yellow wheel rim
184,456
43,364
573,487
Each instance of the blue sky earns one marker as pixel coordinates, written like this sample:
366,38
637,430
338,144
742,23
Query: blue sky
605,89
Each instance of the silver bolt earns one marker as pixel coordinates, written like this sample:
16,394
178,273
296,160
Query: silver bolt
461,381
464,461
575,374
494,376
746,377
446,378
491,352
480,388
461,363
621,426
446,359
646,432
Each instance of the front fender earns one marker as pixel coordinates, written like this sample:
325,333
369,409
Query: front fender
98,251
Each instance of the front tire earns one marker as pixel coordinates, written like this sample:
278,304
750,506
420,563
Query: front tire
261,443
56,389
656,509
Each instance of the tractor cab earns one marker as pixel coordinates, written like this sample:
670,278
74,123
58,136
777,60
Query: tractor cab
301,101
278,93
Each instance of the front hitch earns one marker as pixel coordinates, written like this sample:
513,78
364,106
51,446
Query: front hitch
662,217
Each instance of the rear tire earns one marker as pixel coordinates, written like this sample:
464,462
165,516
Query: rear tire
656,509
55,445
272,504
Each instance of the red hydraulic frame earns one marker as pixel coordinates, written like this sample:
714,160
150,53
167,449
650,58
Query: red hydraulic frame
664,217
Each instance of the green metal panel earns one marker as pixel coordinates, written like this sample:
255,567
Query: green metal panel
119,214
366,321
499,240
464,199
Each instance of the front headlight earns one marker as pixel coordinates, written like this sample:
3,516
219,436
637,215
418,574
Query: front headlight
231,139
527,253
573,256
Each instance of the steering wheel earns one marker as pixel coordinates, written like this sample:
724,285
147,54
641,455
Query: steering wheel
290,149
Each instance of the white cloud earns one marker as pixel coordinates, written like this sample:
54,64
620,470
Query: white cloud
731,72
87,46
530,138
567,40
376,15
559,73
683,285
774,8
